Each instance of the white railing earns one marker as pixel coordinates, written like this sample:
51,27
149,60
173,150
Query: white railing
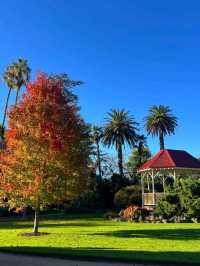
151,199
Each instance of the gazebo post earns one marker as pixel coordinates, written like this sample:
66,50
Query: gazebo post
148,182
142,184
174,175
153,187
163,181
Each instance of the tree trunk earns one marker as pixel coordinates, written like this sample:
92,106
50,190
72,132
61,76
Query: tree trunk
140,155
24,213
6,107
36,220
161,138
99,161
17,96
120,159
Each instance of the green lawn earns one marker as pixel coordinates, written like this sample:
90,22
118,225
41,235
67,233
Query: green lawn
92,237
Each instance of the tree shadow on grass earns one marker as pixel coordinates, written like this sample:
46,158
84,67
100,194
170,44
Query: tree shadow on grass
50,221
23,225
103,254
169,234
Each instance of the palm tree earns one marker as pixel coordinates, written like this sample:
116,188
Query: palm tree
21,73
96,136
120,129
160,122
9,80
2,131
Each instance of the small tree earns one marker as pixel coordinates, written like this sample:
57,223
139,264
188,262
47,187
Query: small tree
136,159
46,157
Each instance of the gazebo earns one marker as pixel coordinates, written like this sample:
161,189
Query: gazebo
166,163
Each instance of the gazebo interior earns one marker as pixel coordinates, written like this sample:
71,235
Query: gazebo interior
164,165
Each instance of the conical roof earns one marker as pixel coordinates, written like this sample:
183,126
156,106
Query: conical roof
171,159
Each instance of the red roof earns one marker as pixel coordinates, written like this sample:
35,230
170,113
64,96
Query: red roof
171,159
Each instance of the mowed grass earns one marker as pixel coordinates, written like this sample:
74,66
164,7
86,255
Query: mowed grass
93,238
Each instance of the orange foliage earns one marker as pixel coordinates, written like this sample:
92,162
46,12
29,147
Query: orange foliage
44,157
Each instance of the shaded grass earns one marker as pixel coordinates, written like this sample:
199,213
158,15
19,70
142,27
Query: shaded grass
92,237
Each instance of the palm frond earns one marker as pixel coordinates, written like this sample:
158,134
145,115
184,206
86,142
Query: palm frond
120,128
160,119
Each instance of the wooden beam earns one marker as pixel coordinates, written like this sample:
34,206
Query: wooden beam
153,187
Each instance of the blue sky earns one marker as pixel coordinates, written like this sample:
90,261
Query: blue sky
130,54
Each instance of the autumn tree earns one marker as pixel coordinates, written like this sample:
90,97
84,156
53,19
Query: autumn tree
46,155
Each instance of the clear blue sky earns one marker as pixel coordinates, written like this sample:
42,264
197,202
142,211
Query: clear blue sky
130,54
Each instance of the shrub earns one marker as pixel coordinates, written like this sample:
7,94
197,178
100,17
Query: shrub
110,215
102,193
130,195
169,205
4,212
181,201
90,201
135,213
190,197
129,212
141,214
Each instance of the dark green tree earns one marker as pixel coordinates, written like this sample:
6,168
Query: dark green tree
160,122
141,148
136,159
96,137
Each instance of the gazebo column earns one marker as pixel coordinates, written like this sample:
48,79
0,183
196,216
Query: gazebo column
174,175
163,183
142,184
153,187
148,187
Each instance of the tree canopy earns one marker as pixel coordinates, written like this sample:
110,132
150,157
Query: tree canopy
120,128
46,137
160,122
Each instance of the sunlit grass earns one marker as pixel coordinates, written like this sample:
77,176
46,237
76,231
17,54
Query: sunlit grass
92,237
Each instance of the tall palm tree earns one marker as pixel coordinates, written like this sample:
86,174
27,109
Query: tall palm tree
120,129
2,131
16,75
160,122
9,80
96,135
21,72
